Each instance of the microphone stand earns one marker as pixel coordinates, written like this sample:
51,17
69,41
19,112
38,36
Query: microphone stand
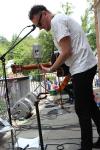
2,58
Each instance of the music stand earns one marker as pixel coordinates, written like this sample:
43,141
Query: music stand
37,55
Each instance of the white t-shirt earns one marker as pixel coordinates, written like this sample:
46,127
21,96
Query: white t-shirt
82,57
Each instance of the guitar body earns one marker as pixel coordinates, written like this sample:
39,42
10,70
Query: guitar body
63,69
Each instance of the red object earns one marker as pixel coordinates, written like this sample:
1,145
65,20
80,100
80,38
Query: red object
64,83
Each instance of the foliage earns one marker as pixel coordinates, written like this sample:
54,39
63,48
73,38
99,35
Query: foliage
22,53
2,106
84,20
4,45
36,75
45,40
68,8
88,25
92,40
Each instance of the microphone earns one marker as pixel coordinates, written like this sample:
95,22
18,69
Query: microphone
34,26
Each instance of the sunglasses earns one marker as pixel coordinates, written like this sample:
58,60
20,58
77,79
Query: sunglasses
39,22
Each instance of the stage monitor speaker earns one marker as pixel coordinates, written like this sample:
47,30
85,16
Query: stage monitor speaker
23,108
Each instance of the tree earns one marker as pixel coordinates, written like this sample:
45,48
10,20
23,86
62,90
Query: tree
68,8
4,45
23,51
88,25
45,40
84,20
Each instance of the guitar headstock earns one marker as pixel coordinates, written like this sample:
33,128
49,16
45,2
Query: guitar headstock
16,68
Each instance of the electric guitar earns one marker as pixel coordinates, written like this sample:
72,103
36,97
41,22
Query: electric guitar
20,68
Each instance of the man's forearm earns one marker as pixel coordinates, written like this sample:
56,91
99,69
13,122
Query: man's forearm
59,61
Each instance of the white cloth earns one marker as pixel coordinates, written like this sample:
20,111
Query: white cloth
82,58
23,142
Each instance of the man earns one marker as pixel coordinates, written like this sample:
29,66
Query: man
76,53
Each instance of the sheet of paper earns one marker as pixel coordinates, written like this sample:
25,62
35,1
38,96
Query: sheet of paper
6,129
7,126
23,142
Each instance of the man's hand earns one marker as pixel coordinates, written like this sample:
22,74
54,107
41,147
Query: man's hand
45,69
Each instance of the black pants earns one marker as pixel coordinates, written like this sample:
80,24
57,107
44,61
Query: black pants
85,106
70,91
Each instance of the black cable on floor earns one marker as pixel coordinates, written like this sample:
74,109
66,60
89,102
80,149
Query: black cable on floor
60,146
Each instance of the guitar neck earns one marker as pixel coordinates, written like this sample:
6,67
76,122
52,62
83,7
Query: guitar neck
20,68
35,66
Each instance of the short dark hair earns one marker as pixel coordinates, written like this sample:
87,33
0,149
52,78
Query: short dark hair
36,9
